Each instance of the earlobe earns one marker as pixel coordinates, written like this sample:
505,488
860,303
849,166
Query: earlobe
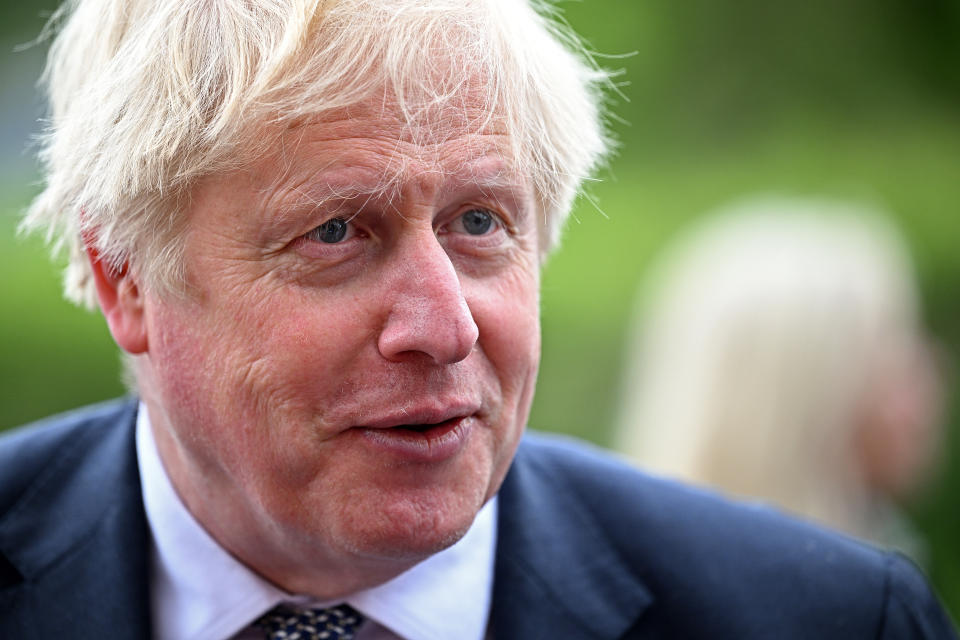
121,303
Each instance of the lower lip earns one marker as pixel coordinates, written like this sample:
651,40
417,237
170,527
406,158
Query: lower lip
435,444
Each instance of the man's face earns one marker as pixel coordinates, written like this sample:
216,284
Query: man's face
352,368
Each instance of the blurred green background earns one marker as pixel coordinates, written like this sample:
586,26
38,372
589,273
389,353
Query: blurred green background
720,99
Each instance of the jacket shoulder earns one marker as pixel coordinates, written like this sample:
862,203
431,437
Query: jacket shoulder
27,451
723,568
72,527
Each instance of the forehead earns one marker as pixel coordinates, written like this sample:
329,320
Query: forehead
376,146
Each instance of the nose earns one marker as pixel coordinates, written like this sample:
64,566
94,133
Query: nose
428,313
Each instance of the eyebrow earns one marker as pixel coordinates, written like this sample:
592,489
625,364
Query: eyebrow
498,178
506,188
327,186
488,175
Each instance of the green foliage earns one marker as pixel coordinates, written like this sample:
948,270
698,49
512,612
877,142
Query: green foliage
53,356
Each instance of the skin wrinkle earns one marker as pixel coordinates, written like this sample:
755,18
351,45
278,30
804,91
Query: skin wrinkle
320,192
507,64
510,225
441,129
297,345
260,348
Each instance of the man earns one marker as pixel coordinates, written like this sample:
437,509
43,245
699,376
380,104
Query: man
316,229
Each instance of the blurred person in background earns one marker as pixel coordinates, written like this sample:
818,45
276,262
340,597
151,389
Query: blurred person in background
780,355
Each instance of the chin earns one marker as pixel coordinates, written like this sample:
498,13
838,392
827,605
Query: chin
409,530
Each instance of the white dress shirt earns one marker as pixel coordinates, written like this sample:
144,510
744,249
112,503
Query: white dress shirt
200,592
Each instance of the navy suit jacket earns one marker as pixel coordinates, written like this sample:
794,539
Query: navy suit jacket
587,549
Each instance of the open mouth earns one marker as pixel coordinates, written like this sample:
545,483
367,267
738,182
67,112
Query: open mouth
426,442
424,428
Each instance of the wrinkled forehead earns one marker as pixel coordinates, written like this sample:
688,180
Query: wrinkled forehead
421,115
433,116
391,142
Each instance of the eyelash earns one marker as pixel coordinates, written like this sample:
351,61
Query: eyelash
345,226
316,234
495,221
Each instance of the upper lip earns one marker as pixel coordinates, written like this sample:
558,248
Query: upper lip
426,413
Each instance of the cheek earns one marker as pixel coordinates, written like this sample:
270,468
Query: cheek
510,339
507,313
510,313
228,357
183,352
242,380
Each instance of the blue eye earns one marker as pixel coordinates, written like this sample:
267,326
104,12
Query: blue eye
477,221
330,232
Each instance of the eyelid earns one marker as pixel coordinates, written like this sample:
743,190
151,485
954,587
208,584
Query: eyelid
352,230
499,220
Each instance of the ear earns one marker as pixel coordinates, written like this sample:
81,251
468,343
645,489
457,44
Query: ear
121,302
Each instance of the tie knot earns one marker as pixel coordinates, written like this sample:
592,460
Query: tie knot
284,622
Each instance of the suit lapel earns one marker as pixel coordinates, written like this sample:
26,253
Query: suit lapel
557,573
78,537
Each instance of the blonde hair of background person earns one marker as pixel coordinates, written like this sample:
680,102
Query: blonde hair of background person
779,355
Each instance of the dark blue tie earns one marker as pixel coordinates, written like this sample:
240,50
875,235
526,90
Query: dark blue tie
284,622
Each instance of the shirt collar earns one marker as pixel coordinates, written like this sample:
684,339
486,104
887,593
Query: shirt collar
198,590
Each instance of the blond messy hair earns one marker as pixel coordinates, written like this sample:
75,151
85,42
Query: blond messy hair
147,96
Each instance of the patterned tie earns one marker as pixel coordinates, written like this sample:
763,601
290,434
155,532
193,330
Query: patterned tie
287,623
